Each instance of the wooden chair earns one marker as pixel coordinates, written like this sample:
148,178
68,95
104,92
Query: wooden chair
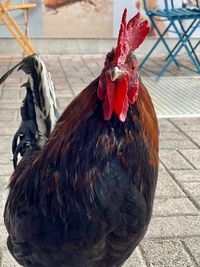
7,19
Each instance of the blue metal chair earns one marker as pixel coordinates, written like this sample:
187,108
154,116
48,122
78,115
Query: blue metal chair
175,16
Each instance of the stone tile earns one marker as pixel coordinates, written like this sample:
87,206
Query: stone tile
4,66
73,73
6,169
186,175
193,155
190,127
22,93
10,94
62,87
136,259
60,82
8,115
192,189
174,227
87,79
78,88
100,62
63,103
8,131
10,104
64,93
3,233
13,79
70,70
177,144
161,167
19,116
166,254
57,74
94,68
8,128
166,126
78,81
5,146
173,160
166,187
193,245
183,121
2,206
5,143
11,86
195,136
173,206
172,136
49,58
8,124
3,182
5,158
8,261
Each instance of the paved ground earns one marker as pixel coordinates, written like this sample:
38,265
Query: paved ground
173,239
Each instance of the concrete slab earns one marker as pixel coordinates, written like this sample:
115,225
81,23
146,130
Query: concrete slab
193,245
157,254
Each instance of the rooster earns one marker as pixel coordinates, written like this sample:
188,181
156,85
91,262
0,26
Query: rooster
82,195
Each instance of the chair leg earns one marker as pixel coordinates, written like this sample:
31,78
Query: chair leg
183,44
20,33
164,42
152,49
14,29
156,44
15,35
197,45
190,44
186,40
178,43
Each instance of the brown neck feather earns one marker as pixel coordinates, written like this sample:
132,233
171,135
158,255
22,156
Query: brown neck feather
149,120
72,118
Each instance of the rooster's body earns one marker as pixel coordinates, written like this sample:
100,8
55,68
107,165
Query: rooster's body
85,198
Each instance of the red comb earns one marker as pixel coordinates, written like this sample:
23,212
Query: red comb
130,37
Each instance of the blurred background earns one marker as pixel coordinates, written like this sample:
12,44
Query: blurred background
72,18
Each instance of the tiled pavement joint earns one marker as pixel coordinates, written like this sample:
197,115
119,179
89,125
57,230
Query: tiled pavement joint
192,200
65,75
189,253
83,60
144,257
189,162
187,135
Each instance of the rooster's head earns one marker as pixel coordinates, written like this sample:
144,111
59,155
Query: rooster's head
119,80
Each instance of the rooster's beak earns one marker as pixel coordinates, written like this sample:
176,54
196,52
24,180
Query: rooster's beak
116,73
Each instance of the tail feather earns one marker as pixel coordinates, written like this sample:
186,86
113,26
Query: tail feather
39,110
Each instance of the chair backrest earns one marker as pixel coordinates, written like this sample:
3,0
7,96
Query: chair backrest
168,4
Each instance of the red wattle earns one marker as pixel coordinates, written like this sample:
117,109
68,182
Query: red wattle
123,114
121,88
109,102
